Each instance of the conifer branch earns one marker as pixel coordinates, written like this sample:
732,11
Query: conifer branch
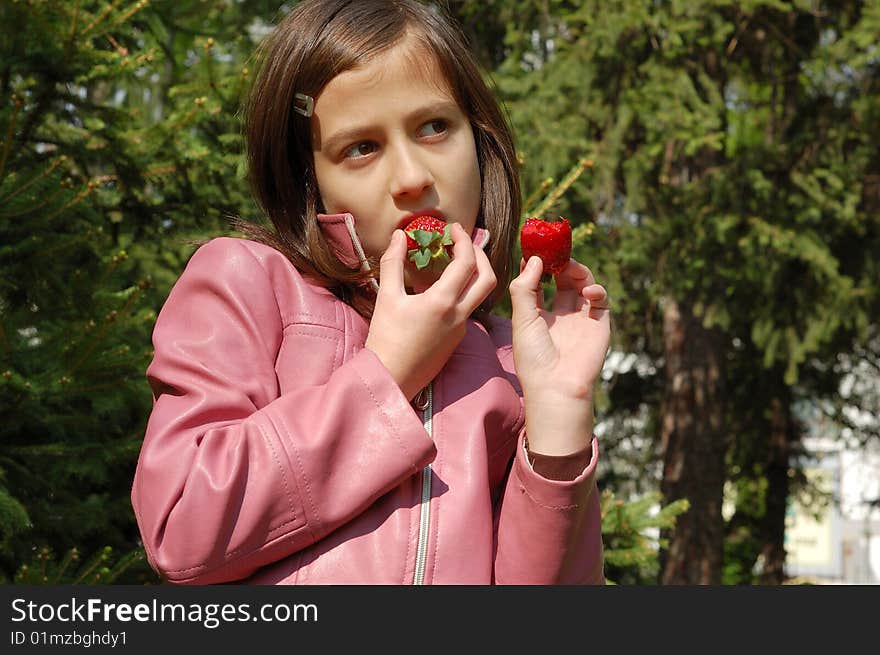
581,232
4,341
29,210
40,104
92,565
527,205
123,564
24,187
115,261
107,9
212,79
111,318
121,49
82,195
140,4
44,561
74,22
7,139
556,193
72,555
69,243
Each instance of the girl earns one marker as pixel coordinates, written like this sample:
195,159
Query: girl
324,415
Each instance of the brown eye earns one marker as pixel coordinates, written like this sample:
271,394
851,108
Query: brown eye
433,128
360,150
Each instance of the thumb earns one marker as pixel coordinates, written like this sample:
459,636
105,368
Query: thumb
526,292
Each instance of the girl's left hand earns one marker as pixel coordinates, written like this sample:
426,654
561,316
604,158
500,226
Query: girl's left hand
559,354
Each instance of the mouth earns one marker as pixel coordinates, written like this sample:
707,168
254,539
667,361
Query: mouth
436,213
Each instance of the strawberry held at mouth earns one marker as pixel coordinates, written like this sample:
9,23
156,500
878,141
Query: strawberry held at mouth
428,243
549,240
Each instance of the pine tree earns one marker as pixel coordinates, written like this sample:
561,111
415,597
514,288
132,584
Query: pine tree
119,146
74,321
631,535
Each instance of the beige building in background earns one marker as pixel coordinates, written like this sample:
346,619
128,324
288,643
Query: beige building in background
839,544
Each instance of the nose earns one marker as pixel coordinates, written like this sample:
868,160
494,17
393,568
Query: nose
410,174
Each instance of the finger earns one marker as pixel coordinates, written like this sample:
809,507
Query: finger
596,303
480,237
539,302
391,264
569,283
597,296
600,314
525,290
481,284
574,276
458,273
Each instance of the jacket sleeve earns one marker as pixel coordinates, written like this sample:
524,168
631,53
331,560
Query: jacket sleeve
232,475
547,531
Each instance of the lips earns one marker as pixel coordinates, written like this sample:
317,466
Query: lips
436,213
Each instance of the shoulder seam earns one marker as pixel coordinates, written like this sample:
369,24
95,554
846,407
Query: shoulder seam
302,316
240,243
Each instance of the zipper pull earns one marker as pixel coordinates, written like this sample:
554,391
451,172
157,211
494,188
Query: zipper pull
421,400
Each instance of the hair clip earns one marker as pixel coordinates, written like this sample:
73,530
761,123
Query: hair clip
303,104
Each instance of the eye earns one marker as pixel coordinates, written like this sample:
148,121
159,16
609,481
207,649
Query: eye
358,150
434,128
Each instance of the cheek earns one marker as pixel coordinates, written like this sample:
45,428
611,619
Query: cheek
335,191
373,244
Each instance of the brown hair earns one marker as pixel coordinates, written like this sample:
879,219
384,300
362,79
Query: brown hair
315,42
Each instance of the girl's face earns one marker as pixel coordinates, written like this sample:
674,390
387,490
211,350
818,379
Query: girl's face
390,142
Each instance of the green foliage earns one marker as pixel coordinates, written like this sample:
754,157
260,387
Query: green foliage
73,321
119,145
103,567
629,532
715,180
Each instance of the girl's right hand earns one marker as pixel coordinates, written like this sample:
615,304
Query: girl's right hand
414,335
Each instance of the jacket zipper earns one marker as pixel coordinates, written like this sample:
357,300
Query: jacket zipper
425,509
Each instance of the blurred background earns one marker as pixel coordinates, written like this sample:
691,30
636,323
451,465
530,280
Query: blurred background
720,163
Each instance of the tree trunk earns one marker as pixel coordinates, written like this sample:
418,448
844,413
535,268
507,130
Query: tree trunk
771,529
693,442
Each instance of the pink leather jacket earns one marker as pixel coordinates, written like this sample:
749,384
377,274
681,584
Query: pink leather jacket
281,451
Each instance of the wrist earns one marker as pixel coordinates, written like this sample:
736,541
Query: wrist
407,384
559,467
558,425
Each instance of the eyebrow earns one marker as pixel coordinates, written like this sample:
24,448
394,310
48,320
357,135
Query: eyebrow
350,134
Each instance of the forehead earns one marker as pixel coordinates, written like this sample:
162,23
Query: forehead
408,64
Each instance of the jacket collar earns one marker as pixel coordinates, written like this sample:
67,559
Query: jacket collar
339,232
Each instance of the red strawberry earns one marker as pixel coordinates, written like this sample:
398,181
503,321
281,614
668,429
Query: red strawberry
428,242
549,241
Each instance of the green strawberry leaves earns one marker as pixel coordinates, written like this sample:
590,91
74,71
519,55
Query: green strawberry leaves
432,248
421,258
